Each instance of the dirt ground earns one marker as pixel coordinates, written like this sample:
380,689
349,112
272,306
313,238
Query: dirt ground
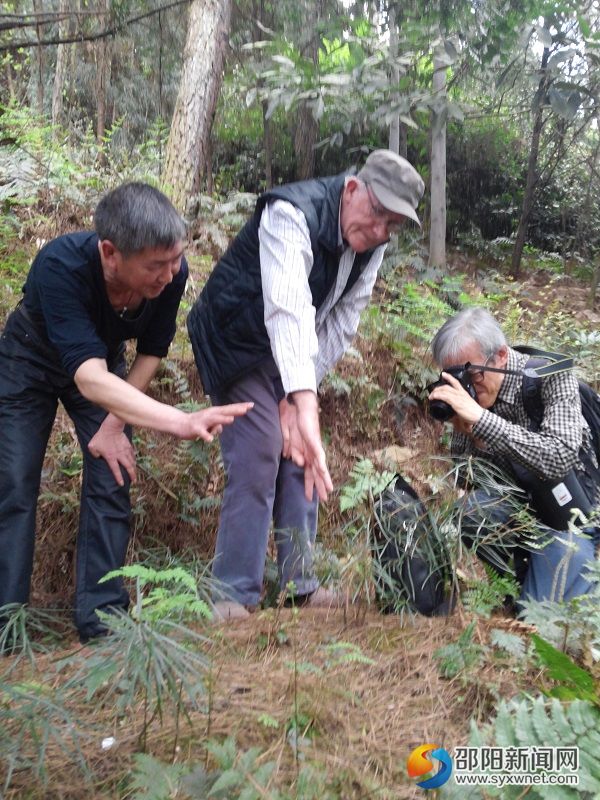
358,721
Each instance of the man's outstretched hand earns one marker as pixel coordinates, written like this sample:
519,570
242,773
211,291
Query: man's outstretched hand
208,422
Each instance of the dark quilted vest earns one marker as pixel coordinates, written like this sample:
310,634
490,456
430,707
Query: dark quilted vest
226,324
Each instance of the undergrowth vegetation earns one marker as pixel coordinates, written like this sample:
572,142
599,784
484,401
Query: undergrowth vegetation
293,706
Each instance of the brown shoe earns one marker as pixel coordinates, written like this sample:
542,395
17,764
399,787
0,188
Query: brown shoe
228,611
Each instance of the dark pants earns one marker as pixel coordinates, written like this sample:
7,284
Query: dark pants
32,381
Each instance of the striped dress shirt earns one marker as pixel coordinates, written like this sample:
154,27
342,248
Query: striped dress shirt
306,343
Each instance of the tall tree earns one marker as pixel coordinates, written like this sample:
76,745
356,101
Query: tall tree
103,70
396,142
39,59
60,72
437,231
532,164
201,78
306,129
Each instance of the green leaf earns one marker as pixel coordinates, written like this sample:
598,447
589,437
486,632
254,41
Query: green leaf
505,729
523,726
584,26
563,669
268,721
230,779
336,78
155,780
284,60
560,104
544,35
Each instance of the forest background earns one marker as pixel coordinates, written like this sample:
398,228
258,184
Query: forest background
496,105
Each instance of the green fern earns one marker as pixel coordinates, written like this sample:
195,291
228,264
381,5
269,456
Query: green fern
539,723
345,653
484,597
365,482
152,779
460,656
163,599
510,643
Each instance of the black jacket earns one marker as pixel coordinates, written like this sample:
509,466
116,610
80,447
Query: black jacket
226,324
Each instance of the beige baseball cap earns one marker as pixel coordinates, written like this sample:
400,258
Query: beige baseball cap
394,182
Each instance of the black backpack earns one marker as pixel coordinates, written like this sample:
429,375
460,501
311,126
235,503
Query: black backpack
409,563
545,363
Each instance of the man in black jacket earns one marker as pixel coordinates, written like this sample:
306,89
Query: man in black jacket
85,295
277,313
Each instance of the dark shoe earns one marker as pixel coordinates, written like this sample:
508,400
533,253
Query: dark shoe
86,638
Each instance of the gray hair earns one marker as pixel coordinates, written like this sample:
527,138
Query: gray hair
470,325
135,216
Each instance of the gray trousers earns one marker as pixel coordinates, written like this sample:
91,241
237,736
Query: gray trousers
554,572
261,487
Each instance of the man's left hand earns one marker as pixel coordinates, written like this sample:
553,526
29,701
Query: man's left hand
316,474
293,446
451,392
111,444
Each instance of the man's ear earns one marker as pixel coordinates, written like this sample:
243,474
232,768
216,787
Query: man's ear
502,356
352,185
109,254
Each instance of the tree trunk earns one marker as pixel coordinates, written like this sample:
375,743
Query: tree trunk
8,71
594,284
62,54
207,168
268,144
38,60
306,132
201,77
532,176
305,139
398,138
260,13
437,230
103,65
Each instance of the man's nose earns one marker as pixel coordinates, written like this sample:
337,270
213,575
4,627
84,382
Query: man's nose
170,271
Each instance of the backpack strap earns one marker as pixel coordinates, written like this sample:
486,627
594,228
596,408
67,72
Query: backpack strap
531,392
542,363
551,364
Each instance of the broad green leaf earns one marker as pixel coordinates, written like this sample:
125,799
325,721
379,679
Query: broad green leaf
563,669
560,104
544,35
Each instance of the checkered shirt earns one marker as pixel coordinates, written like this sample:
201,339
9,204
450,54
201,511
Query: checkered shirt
503,430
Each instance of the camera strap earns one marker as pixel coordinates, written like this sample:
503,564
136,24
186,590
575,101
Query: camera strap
558,362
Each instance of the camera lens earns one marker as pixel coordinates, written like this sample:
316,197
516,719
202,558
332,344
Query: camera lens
440,410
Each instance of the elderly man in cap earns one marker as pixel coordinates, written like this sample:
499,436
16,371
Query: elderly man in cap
279,310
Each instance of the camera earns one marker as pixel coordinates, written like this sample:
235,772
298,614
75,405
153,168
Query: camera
441,410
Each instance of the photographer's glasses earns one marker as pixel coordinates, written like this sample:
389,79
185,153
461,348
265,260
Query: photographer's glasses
476,371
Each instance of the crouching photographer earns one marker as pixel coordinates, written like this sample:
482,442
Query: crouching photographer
483,390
